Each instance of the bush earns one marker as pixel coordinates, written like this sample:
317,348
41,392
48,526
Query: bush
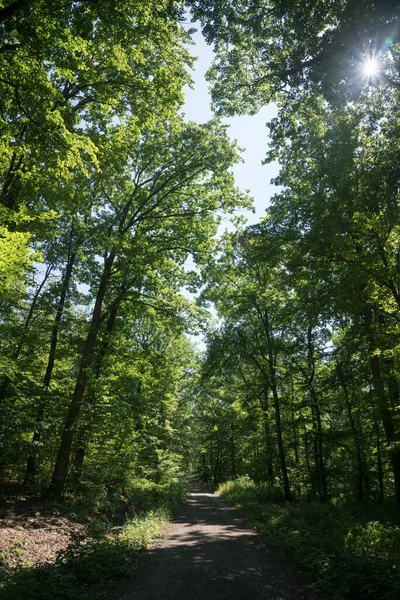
86,563
245,487
356,557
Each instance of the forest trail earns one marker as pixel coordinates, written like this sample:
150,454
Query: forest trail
210,553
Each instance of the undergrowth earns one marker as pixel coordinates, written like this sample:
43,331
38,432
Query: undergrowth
353,551
83,569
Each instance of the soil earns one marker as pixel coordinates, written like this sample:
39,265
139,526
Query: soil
31,533
209,552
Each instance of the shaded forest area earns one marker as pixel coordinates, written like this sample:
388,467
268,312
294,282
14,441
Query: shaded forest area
107,194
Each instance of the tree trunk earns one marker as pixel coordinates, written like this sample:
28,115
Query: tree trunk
268,447
320,462
264,402
31,467
61,467
233,451
77,467
355,435
307,454
297,484
6,380
217,468
281,449
80,454
379,460
382,404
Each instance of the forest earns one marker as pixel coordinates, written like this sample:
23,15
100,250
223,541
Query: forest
112,260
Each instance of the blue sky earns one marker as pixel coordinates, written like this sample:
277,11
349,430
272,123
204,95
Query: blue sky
250,132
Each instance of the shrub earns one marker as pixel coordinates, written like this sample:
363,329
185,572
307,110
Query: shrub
356,557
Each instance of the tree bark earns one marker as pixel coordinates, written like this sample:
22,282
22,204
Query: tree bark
80,453
6,380
63,457
355,434
31,467
392,435
320,462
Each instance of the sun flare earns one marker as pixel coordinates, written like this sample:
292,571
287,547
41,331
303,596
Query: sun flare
370,67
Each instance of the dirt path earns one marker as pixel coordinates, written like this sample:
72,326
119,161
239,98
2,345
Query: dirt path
209,553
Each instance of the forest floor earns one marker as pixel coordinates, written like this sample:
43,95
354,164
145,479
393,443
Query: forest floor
209,551
72,551
32,532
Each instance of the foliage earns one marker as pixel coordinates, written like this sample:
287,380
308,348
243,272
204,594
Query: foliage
262,492
284,50
87,565
106,196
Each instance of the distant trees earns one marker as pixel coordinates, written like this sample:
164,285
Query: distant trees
309,298
309,301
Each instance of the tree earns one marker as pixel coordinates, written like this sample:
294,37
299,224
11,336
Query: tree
68,72
337,220
271,49
157,203
249,298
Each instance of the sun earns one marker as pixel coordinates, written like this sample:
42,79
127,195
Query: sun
370,67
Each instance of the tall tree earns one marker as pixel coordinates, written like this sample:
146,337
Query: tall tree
160,200
271,49
68,71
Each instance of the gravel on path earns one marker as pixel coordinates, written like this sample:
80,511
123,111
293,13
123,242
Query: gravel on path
210,553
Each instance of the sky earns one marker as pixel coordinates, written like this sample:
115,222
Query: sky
250,132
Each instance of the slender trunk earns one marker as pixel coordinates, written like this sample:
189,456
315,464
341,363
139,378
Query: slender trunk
382,404
217,466
268,448
322,469
306,452
317,414
295,441
57,320
281,449
77,467
355,435
31,467
63,457
294,428
264,402
80,453
316,480
233,451
296,451
6,380
379,460
29,317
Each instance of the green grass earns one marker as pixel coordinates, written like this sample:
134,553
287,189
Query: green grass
88,564
354,552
